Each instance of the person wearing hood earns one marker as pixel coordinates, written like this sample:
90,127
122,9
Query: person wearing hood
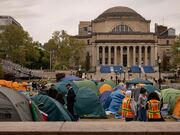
128,107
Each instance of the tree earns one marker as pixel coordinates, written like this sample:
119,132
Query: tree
1,72
65,50
20,48
165,65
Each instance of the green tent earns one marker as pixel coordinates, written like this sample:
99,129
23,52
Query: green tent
110,82
139,80
88,84
169,97
61,86
54,109
15,106
150,88
87,104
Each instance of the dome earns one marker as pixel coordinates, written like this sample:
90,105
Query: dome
118,12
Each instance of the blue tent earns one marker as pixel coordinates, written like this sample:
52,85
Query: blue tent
105,99
71,78
116,103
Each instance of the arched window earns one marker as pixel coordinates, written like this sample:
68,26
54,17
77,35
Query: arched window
122,28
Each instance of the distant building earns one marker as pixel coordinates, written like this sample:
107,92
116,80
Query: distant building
7,20
121,36
165,38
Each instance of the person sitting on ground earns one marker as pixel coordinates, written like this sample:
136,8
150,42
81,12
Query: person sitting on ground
128,107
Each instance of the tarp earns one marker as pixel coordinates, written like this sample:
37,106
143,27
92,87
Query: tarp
54,109
105,99
14,85
169,97
15,107
116,102
71,78
87,104
139,80
104,88
88,84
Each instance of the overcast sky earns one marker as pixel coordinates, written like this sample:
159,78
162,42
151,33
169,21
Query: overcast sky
41,17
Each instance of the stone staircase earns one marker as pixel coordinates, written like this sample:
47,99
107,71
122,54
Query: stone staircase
17,70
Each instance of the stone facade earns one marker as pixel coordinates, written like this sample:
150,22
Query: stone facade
120,36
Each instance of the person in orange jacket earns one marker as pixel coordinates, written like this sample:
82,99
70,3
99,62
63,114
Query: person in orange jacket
128,107
153,107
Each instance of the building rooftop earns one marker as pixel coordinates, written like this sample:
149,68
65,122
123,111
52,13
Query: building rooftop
119,11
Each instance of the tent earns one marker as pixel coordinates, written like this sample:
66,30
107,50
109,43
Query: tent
104,88
150,88
54,109
71,78
88,84
116,102
87,104
61,86
138,80
105,99
110,82
176,110
15,107
170,96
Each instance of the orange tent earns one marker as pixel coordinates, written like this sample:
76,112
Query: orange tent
176,111
105,87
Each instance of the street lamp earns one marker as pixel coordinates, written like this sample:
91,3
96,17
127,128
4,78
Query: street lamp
159,64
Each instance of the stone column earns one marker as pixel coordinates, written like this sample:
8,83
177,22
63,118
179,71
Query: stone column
140,55
128,56
103,55
145,56
134,55
97,55
109,55
121,56
152,56
115,55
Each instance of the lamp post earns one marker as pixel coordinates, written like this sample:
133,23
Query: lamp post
159,64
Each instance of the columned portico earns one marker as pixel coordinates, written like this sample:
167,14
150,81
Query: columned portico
116,55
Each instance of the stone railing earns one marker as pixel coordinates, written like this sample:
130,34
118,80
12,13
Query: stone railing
90,128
